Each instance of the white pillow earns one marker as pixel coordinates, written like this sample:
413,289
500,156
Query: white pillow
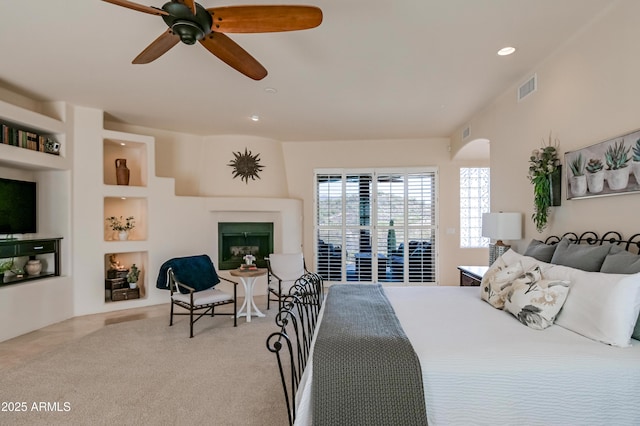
600,306
536,302
496,281
509,257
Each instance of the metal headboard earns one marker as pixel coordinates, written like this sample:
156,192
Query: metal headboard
631,244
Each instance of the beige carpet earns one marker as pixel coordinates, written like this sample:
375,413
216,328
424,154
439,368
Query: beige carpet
146,373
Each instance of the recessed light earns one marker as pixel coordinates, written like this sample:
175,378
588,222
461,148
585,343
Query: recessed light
122,144
255,118
506,51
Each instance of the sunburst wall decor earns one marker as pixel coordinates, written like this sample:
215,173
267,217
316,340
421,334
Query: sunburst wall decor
246,165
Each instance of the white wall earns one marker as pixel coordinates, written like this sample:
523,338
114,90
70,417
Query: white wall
588,92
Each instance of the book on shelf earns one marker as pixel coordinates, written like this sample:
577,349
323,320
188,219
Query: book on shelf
28,139
245,267
32,141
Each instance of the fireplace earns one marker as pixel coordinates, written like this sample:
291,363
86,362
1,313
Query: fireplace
235,239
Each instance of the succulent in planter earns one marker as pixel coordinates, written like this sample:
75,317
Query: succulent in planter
578,182
595,175
594,165
577,166
617,156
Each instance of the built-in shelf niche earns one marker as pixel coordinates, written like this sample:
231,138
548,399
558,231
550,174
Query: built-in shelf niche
135,154
126,259
125,207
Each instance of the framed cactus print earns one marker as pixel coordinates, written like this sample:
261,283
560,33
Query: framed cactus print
611,167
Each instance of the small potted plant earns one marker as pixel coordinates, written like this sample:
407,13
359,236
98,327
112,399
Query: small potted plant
595,175
617,157
5,265
133,275
122,226
578,181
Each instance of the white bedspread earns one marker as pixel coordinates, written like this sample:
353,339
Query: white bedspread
482,367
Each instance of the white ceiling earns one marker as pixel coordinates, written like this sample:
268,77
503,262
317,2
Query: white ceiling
374,69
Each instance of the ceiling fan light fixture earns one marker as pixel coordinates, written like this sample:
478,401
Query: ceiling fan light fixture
189,27
189,32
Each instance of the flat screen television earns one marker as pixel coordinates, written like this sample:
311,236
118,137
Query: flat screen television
18,213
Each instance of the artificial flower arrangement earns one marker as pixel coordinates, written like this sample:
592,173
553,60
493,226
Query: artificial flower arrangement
542,164
120,224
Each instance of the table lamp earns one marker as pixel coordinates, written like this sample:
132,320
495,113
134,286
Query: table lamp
501,226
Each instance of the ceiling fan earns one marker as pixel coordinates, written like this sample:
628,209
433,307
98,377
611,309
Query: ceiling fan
189,22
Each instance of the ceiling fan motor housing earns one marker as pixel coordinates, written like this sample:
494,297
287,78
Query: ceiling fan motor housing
189,27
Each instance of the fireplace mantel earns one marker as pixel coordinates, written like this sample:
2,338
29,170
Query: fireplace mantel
285,213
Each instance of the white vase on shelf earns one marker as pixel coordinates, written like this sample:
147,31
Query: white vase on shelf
33,267
123,235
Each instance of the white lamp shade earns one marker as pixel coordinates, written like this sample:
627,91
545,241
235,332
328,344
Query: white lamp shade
502,226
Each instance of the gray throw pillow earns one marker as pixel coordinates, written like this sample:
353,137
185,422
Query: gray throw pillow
580,256
540,251
621,262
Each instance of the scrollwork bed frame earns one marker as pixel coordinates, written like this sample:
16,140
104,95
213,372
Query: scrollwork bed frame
299,315
631,244
297,321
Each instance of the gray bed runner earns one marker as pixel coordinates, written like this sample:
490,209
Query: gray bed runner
365,371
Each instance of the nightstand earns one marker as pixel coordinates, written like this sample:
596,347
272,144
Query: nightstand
471,275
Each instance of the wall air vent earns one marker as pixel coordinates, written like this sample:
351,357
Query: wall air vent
528,87
466,132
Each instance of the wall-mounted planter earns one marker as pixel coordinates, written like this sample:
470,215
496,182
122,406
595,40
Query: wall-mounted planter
555,186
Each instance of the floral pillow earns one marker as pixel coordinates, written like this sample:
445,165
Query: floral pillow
496,281
535,302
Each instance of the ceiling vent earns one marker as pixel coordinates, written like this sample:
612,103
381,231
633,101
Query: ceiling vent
465,133
528,87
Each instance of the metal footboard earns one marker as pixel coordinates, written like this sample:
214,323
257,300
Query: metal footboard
297,321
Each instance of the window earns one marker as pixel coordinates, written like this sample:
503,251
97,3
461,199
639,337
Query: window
474,200
376,225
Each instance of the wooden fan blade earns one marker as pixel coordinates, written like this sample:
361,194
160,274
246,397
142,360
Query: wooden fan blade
157,48
233,55
264,19
191,4
138,7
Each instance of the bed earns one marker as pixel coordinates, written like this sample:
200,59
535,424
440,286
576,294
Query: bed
482,366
